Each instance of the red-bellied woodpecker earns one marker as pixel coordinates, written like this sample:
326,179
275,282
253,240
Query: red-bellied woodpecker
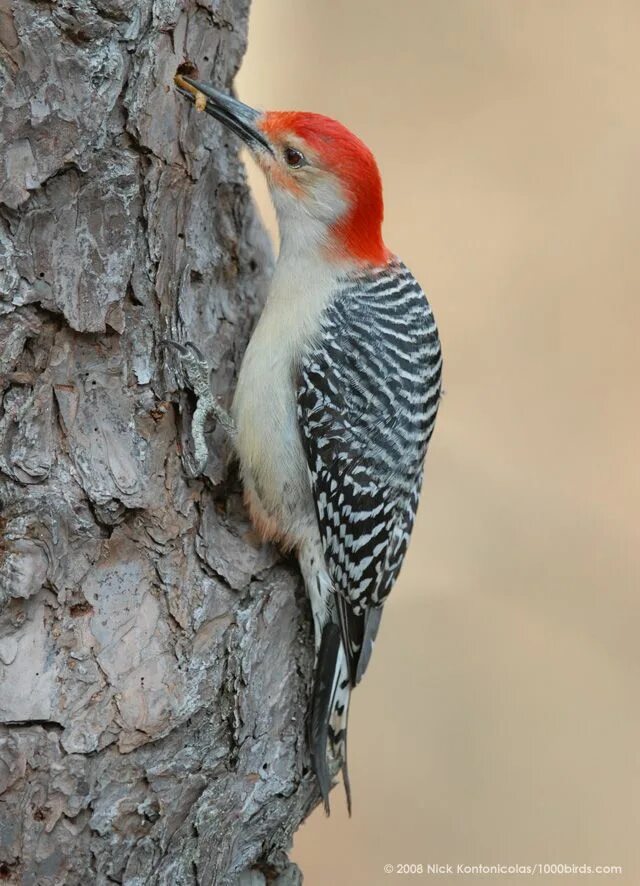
337,394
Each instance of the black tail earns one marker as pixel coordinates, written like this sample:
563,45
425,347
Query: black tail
329,714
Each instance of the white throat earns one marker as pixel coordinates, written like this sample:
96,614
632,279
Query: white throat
305,221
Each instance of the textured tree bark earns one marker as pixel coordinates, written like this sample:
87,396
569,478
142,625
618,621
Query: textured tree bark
154,657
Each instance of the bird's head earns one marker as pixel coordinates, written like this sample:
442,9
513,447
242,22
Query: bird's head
324,181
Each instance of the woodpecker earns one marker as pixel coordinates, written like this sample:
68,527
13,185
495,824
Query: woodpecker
336,398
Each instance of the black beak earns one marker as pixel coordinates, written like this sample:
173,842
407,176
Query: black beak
239,118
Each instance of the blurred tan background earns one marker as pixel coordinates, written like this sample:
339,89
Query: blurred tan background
499,721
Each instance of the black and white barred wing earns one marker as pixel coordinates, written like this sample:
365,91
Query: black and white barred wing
367,401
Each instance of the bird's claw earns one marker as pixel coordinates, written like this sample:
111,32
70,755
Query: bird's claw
198,375
194,366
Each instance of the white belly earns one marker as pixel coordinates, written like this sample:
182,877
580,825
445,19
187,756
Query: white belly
272,462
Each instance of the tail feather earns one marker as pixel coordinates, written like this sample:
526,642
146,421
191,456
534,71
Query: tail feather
329,714
343,752
371,624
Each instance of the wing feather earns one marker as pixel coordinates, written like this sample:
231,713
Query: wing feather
368,393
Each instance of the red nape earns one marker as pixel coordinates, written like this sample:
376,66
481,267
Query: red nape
359,233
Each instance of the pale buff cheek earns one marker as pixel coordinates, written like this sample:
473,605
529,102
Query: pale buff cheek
280,178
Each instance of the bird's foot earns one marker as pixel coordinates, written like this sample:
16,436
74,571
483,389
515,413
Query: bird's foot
198,377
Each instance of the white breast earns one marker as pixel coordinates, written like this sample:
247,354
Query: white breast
273,464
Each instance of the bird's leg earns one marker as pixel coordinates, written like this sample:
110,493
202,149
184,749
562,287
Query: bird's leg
198,376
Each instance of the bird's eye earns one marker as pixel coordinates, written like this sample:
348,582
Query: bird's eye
294,158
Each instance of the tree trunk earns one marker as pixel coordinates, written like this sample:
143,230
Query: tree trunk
154,657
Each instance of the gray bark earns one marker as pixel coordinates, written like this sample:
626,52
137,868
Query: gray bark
154,657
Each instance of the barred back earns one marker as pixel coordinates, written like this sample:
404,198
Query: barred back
368,394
